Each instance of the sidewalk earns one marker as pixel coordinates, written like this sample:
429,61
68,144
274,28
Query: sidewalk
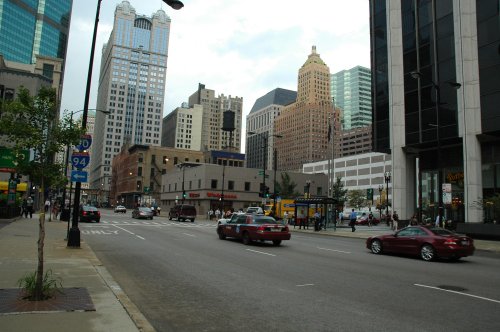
363,232
99,304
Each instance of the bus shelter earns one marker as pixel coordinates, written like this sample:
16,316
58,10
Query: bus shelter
318,203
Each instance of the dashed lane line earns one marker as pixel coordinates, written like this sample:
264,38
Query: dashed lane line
341,251
460,293
261,252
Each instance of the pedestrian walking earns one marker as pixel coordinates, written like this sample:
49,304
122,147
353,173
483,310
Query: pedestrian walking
47,205
210,214
55,210
217,214
285,217
414,220
24,208
317,222
341,217
370,219
352,220
29,205
395,220
438,221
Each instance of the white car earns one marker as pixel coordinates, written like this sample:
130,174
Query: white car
255,209
120,208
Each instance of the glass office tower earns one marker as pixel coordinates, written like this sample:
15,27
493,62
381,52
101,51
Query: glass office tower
34,27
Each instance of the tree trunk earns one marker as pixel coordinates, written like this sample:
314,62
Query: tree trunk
38,292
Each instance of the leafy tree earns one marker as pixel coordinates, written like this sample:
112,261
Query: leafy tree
356,198
31,123
339,193
286,187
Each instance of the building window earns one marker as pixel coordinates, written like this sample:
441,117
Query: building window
213,185
247,186
230,185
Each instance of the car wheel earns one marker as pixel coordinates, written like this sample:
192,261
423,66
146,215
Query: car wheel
221,234
169,217
246,238
150,218
192,220
427,252
376,247
276,242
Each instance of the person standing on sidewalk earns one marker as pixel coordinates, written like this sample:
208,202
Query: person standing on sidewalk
352,220
370,219
29,205
395,219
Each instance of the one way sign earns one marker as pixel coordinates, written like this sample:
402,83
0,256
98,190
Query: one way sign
79,176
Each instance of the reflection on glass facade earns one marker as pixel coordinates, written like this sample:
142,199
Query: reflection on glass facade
30,27
451,124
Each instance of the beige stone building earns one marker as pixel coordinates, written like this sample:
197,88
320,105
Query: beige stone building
304,124
213,137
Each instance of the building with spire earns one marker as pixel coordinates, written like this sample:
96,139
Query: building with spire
304,125
131,88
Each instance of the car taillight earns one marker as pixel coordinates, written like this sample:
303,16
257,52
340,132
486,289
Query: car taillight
450,242
286,229
99,213
84,213
261,229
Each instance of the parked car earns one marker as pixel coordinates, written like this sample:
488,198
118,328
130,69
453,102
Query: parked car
182,212
363,219
89,213
142,212
253,227
428,243
120,209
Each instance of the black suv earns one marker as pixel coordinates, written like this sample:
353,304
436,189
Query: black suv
182,212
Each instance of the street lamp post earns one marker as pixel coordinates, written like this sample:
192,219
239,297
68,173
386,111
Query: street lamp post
387,177
74,232
222,190
380,189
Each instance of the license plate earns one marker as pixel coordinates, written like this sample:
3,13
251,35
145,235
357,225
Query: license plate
275,229
465,242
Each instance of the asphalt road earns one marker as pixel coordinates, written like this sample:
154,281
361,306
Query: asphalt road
183,278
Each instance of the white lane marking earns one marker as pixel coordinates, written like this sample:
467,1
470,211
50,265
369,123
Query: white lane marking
304,285
189,234
456,292
140,237
123,229
344,252
261,252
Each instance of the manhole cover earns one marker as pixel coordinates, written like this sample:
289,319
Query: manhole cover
452,288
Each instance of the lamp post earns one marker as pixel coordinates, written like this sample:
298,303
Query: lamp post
74,232
222,191
418,76
380,189
387,178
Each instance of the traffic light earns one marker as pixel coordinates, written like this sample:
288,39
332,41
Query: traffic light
184,195
369,194
266,193
262,190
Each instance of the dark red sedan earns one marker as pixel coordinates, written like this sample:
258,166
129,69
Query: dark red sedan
253,227
428,243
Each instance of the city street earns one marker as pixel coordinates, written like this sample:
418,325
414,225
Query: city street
183,278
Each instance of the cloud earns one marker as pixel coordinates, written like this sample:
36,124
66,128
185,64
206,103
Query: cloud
235,47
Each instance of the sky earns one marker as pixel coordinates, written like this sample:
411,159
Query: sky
236,47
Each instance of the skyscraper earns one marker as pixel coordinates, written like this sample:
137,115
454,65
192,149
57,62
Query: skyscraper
351,91
131,87
213,137
436,73
260,120
304,124
33,27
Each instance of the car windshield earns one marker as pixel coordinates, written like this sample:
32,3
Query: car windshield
265,220
89,208
441,231
145,209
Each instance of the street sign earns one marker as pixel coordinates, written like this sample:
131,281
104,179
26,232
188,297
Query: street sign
80,159
446,188
79,176
85,142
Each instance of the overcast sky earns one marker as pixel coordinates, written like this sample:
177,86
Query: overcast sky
236,47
